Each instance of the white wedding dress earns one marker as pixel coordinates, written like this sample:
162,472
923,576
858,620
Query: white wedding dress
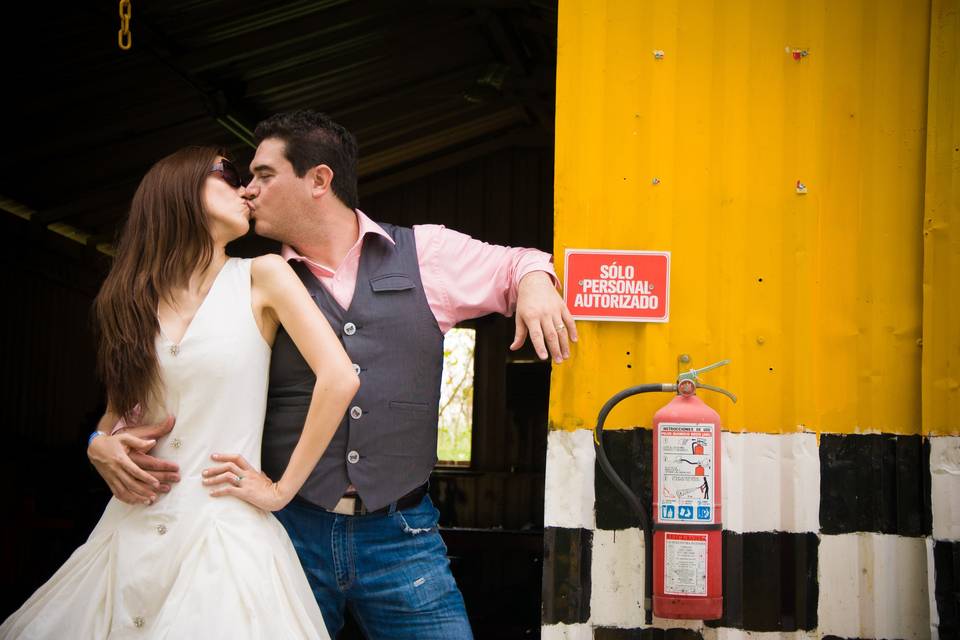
190,565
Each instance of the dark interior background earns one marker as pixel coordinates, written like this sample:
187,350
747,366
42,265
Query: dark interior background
452,103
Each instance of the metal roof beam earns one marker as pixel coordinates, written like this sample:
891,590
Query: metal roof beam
520,138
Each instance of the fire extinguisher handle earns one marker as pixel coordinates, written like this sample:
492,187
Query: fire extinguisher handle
693,373
710,387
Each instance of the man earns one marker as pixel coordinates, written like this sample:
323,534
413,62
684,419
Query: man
363,524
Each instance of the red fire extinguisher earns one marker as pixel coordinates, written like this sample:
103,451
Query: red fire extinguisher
683,563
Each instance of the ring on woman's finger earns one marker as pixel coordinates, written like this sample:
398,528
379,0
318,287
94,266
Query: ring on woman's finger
237,480
560,327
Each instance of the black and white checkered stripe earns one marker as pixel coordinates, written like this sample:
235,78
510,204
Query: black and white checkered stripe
854,536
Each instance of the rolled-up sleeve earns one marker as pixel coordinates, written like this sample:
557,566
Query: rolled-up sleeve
465,278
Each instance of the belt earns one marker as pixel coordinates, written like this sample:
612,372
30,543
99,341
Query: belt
352,505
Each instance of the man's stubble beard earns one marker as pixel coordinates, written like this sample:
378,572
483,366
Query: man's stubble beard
270,235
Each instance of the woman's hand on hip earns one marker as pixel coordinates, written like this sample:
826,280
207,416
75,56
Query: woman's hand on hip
234,476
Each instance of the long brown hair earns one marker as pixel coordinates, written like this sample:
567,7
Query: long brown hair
165,239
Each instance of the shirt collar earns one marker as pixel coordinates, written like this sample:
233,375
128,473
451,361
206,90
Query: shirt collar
366,226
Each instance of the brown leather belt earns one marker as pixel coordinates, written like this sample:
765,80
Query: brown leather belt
352,505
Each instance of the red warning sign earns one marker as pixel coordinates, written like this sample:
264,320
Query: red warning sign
625,286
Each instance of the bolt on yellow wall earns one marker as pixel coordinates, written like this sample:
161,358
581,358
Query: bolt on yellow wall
817,297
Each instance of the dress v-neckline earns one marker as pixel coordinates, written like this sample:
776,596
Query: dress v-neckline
196,314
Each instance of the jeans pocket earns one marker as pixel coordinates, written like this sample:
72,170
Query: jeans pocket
414,523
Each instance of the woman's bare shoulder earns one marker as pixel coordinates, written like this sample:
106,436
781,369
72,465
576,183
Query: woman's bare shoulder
270,266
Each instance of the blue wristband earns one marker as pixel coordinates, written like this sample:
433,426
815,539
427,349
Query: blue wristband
93,436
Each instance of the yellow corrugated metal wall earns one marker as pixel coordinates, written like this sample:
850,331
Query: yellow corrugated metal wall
819,299
941,228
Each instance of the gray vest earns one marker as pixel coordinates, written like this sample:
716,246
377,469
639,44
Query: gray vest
386,444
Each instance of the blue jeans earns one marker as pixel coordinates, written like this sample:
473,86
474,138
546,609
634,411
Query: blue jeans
391,570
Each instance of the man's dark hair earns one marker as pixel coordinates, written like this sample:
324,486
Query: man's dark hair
312,138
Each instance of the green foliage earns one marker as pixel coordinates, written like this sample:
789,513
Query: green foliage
456,397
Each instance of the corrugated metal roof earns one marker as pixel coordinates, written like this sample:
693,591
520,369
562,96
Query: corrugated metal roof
417,82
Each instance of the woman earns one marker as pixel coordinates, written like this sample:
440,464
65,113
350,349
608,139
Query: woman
187,331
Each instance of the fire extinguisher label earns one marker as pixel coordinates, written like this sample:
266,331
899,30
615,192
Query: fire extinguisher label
685,564
686,473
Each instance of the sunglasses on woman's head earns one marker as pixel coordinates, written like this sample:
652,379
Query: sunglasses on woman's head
228,172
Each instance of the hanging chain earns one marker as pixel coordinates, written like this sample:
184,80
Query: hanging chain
124,38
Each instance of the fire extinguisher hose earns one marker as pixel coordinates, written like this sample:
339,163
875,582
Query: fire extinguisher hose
635,501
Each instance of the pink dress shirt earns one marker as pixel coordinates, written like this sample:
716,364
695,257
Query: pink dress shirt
462,278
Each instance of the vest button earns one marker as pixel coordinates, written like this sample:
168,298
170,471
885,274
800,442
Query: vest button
356,412
356,368
349,328
353,457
